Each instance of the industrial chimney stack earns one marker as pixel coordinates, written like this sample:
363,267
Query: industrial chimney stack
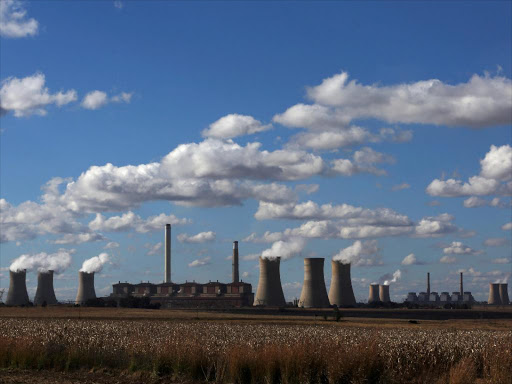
167,277
236,277
17,294
85,287
374,293
428,284
494,294
270,291
341,292
384,293
314,294
461,285
45,292
504,294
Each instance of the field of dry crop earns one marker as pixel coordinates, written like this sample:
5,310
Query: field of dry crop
245,352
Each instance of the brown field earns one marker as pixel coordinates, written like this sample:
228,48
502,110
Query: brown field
111,345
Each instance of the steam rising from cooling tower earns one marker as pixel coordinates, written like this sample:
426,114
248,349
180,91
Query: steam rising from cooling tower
45,292
17,294
314,294
270,291
504,294
236,277
341,292
43,261
85,287
384,293
95,264
374,293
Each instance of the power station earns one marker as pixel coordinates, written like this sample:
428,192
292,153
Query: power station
341,292
314,294
270,291
433,298
45,294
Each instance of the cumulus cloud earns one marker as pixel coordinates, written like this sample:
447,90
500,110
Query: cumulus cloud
496,169
14,22
507,226
457,248
483,101
42,262
95,264
131,221
234,125
97,99
285,248
29,95
436,226
111,245
201,237
400,187
410,259
364,161
496,242
153,249
502,260
79,238
200,262
360,254
448,259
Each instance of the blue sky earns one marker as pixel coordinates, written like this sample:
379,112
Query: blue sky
396,114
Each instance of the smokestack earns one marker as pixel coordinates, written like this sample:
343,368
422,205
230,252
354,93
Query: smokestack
167,277
374,293
314,293
494,294
504,294
384,293
85,287
270,291
236,278
428,284
17,294
461,285
45,292
341,292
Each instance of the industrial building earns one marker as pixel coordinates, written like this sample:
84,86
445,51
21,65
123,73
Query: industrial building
434,298
45,294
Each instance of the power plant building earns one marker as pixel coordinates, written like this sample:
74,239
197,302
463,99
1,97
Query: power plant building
17,294
45,294
314,293
85,288
433,298
341,292
270,291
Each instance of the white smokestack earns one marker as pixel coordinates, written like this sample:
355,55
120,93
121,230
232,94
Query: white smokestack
96,263
43,262
167,256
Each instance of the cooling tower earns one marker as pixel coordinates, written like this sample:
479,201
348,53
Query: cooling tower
85,287
45,292
314,293
374,293
384,293
236,278
17,294
167,276
341,292
494,294
504,294
270,291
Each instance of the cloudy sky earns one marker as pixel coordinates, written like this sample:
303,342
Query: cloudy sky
373,133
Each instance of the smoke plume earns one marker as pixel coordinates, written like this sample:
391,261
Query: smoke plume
388,278
96,263
43,262
285,248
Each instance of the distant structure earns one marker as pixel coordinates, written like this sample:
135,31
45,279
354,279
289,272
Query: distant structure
373,296
45,294
314,294
167,262
341,292
504,294
384,293
270,292
431,298
236,278
17,294
85,287
494,294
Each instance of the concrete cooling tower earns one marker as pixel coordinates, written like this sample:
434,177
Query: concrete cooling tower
270,291
374,293
504,294
341,292
494,294
17,294
45,293
384,293
314,294
85,287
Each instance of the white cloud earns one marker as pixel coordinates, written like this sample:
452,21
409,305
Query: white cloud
201,237
268,237
246,274
95,264
285,248
363,161
153,249
79,238
331,139
410,259
360,254
129,221
111,245
496,242
14,21
497,163
29,95
42,262
97,99
448,259
502,260
435,226
457,248
481,102
200,262
389,278
400,187
118,4
507,226
234,125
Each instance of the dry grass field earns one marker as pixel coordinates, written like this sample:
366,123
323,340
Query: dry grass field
100,345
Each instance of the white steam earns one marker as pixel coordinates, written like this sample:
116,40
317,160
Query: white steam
388,279
43,262
96,263
285,248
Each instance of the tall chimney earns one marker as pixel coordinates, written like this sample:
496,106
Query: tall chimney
494,294
374,293
428,284
384,293
314,294
461,286
270,291
45,292
341,292
236,278
167,277
504,294
17,294
85,287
